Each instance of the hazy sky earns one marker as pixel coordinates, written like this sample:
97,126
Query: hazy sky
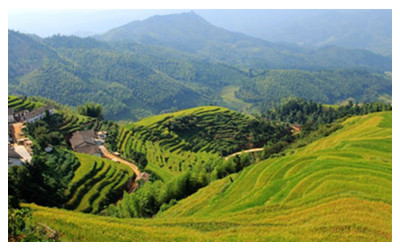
48,22
87,22
262,23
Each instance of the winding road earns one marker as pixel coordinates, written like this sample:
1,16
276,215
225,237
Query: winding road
244,151
135,168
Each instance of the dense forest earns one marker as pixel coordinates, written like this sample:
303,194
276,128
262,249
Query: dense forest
330,87
313,114
133,79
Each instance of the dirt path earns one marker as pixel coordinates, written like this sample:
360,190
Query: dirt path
135,168
111,156
245,151
23,152
17,128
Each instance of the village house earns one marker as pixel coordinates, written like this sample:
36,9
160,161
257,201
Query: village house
10,132
101,136
84,142
13,157
38,114
11,118
296,127
143,176
20,115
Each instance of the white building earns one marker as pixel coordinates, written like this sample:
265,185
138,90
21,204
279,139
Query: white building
13,157
38,114
11,118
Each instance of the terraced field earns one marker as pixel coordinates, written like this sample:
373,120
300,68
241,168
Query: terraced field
337,188
175,142
65,121
19,103
69,122
97,182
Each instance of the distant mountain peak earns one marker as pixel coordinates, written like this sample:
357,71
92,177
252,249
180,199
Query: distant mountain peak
186,31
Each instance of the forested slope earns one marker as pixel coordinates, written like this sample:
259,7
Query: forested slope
134,80
330,87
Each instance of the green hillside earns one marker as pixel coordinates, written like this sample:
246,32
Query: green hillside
354,162
19,103
136,80
96,183
61,177
64,120
337,188
175,142
330,87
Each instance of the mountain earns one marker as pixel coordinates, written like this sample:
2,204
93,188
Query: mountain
186,31
338,188
356,29
134,77
369,29
190,33
86,70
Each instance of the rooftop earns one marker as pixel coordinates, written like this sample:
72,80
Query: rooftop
37,112
88,149
12,153
82,137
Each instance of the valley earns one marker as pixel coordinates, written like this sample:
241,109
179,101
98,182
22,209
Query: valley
139,70
172,128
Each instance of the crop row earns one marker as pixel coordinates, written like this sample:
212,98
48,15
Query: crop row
19,103
96,182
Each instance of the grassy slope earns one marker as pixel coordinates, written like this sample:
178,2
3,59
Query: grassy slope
93,182
170,156
335,189
18,103
228,95
65,120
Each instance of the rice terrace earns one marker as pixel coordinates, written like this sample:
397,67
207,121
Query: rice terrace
200,126
340,185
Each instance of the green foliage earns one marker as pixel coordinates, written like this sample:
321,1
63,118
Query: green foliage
96,183
190,140
92,110
270,86
132,81
112,129
353,162
45,179
232,165
157,196
311,114
19,103
22,228
65,121
209,129
338,188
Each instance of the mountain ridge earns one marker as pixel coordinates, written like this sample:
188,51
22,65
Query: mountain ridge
189,32
133,80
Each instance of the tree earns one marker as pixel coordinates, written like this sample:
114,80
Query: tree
91,109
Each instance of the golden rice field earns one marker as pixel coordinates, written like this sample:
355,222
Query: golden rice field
96,182
338,188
